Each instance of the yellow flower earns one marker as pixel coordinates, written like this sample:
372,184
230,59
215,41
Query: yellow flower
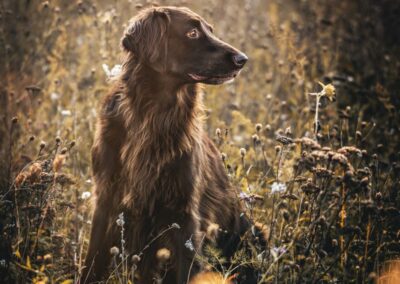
328,91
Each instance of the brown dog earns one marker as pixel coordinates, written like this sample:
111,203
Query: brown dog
151,157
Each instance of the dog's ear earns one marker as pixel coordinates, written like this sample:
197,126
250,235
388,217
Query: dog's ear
147,38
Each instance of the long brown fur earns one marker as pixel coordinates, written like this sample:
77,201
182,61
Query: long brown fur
153,162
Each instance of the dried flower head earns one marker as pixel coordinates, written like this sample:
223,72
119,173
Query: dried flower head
58,162
258,127
175,226
135,259
328,91
163,255
114,251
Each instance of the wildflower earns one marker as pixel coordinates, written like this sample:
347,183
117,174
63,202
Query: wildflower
66,112
258,127
175,226
284,139
42,145
54,96
85,195
307,142
278,251
278,187
114,251
72,144
189,244
58,163
19,180
34,172
120,221
163,255
135,259
250,198
114,72
328,91
347,150
256,139
64,179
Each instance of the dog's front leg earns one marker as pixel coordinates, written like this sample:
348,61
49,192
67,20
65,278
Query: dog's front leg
98,256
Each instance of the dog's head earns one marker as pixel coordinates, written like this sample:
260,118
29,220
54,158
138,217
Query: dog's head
180,43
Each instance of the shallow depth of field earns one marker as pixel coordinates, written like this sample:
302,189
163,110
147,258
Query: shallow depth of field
317,163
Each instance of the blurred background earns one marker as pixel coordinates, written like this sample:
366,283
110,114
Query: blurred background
57,58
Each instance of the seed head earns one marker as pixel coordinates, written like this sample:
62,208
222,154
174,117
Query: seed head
175,226
163,255
258,127
135,259
255,138
242,152
223,157
72,144
42,145
114,251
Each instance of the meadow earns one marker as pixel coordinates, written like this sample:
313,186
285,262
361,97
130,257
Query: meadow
309,133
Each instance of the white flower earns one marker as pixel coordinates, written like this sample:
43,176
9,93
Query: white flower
114,72
120,220
278,251
54,96
85,195
66,112
278,187
189,244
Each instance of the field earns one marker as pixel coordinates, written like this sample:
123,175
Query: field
309,133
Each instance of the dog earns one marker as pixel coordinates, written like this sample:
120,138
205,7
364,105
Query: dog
151,159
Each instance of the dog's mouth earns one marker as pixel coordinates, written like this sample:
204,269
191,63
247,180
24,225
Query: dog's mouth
214,79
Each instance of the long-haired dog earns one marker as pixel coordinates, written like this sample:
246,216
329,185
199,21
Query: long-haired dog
151,158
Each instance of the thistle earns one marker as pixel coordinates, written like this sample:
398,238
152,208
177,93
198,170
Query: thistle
327,91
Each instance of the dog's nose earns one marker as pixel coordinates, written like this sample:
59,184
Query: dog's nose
239,59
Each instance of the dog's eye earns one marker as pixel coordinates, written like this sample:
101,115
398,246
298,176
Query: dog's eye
194,33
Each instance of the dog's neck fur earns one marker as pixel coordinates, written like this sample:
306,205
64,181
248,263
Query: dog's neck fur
166,122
